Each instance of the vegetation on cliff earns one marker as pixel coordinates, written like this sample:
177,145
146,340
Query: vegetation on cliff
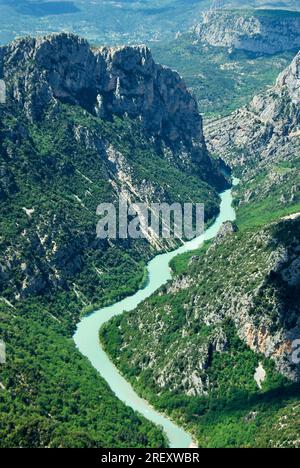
58,161
195,347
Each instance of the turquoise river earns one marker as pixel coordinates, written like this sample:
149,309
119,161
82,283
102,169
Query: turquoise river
87,334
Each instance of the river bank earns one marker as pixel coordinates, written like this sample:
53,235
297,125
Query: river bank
87,334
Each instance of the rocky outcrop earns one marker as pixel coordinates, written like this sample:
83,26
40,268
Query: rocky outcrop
106,81
227,229
266,130
260,31
43,73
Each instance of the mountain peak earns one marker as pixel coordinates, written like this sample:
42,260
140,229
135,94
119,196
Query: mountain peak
106,81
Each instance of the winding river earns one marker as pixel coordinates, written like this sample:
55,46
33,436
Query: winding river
87,335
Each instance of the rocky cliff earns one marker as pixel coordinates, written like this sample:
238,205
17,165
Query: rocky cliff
259,31
41,73
264,131
79,127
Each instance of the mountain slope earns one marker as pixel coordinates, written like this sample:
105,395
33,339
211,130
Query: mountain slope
80,127
221,79
224,328
259,31
264,131
64,131
261,142
229,312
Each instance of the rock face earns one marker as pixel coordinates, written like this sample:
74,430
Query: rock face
80,127
105,81
251,281
260,31
266,130
42,73
226,229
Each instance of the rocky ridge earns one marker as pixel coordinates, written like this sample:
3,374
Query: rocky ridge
259,31
62,68
266,130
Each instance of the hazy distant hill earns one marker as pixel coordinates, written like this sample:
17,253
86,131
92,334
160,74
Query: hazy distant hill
103,22
265,31
111,22
292,4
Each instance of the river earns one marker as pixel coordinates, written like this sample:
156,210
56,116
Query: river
87,335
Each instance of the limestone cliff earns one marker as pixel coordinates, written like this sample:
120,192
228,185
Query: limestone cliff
264,131
80,127
42,73
259,31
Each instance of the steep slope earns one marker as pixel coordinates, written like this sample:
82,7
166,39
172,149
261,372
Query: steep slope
261,142
221,79
249,280
225,328
232,309
224,331
259,31
103,81
264,131
80,127
86,126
